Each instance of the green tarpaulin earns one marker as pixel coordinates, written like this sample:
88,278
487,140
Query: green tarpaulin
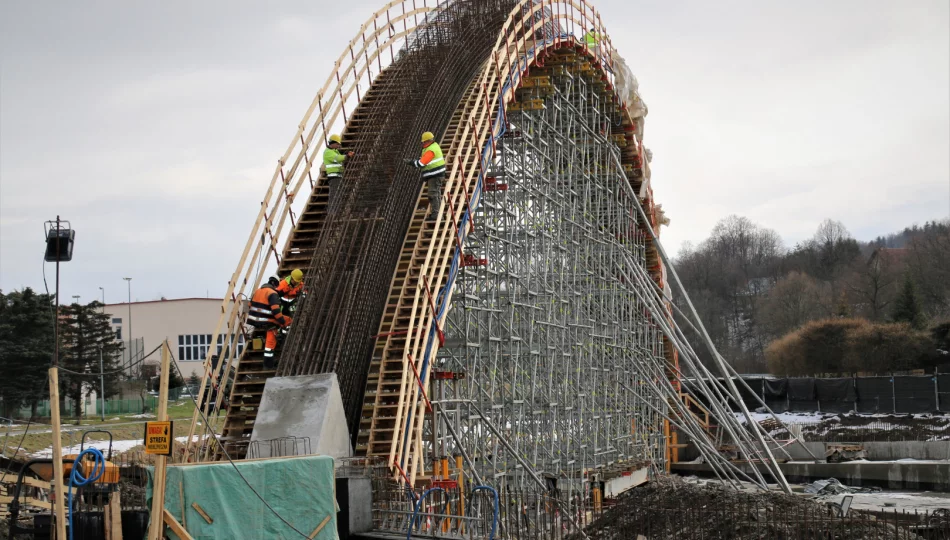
299,489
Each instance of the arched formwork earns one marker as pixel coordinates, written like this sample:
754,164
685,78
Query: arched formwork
293,208
535,54
431,267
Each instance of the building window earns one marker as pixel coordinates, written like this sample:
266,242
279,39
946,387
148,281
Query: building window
240,344
117,320
194,347
118,333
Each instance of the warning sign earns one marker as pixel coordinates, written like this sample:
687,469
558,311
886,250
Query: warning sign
158,438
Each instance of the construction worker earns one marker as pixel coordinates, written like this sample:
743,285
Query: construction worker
290,288
333,163
432,164
592,39
265,315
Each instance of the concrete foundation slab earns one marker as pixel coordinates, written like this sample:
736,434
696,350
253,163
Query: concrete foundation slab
303,406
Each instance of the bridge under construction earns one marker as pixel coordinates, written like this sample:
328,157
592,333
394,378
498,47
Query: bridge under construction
523,342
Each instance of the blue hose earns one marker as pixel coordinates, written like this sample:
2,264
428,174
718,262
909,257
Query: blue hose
77,480
415,509
494,522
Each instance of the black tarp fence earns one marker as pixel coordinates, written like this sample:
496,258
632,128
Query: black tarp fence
875,394
901,394
776,394
801,395
943,391
836,395
915,394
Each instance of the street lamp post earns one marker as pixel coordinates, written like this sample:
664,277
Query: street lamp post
129,281
103,296
102,389
59,248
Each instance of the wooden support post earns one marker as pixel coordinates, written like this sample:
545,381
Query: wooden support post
176,527
113,518
319,528
156,520
201,512
59,508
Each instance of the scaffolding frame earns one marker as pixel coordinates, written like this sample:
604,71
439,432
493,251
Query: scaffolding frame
554,345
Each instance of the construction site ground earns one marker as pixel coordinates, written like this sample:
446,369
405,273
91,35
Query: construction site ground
127,432
819,426
677,507
875,501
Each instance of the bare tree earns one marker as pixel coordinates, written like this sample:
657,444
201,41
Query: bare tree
793,301
873,282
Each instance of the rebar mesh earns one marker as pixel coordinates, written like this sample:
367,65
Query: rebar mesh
353,262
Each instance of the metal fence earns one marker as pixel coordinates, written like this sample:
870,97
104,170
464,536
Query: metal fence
113,406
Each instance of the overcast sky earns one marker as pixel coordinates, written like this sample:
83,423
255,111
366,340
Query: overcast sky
154,127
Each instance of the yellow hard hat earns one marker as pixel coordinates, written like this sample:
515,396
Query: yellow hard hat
335,138
427,136
297,275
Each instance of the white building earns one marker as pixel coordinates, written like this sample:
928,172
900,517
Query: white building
187,324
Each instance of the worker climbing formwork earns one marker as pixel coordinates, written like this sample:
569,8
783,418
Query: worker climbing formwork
290,288
432,163
266,316
333,159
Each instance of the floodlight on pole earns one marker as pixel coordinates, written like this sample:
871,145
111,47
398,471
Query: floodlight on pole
59,248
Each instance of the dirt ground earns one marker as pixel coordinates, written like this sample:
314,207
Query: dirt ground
670,508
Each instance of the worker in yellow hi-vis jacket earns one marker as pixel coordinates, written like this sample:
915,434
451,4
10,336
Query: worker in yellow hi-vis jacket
432,163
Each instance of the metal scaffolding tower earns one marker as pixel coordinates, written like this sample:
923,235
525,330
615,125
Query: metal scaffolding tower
552,341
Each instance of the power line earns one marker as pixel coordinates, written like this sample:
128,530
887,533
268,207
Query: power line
137,362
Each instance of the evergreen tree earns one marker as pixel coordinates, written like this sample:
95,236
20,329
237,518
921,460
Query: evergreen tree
194,381
85,331
26,348
907,306
174,379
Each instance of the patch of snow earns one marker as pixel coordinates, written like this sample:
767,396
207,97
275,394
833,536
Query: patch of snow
102,446
785,417
143,415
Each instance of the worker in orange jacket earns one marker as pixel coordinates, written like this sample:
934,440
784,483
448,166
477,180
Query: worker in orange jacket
265,315
290,288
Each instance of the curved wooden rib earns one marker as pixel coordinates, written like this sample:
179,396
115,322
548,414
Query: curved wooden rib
350,70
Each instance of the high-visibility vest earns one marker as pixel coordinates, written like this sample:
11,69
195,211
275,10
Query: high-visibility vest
333,161
437,165
591,38
265,308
